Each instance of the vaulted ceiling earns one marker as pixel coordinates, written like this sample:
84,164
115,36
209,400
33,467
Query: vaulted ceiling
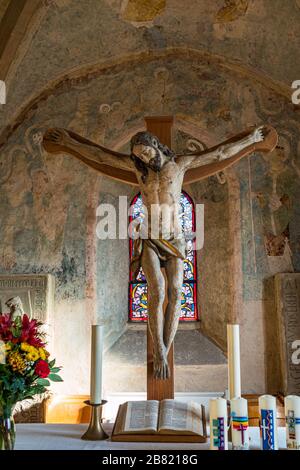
43,41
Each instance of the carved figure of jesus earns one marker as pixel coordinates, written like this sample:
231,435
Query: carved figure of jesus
160,175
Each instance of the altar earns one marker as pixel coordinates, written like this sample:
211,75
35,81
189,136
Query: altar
67,437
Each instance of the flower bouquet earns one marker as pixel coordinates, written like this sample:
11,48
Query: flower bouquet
25,369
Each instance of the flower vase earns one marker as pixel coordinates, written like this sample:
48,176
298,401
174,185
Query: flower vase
7,429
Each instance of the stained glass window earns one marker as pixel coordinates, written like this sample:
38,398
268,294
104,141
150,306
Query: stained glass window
138,285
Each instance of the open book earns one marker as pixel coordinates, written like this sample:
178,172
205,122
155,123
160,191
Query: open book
168,417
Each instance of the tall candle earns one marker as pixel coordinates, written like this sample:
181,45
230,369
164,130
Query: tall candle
234,362
218,424
268,422
96,363
239,424
292,418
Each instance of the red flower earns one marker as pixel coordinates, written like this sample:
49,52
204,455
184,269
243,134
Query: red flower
5,325
42,369
30,332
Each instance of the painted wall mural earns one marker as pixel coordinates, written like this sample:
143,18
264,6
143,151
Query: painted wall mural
40,219
140,11
211,102
232,10
77,34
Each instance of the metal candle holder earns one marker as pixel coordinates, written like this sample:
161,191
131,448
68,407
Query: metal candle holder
95,431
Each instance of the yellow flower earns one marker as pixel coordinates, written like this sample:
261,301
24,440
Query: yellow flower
42,354
16,362
7,347
25,347
32,355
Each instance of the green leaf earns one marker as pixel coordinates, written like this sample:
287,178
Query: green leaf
43,382
55,378
51,363
37,390
54,370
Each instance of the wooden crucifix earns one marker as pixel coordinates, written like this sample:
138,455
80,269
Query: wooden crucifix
157,388
160,174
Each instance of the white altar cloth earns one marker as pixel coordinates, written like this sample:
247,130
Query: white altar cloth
67,437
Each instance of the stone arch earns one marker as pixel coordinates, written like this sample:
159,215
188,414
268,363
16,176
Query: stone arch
76,77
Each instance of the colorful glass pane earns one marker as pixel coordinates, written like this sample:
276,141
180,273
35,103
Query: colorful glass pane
188,301
138,301
138,285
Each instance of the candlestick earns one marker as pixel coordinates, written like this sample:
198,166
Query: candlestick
96,363
292,418
218,424
239,424
95,430
268,422
234,366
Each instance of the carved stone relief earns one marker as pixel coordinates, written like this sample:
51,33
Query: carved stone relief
287,291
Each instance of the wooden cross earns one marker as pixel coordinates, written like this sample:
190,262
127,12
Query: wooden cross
158,389
120,166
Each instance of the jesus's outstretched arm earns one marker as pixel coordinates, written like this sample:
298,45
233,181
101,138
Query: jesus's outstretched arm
63,141
223,151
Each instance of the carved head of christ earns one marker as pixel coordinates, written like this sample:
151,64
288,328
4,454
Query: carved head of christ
148,152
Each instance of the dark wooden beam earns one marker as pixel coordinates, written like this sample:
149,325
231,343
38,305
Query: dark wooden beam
157,389
161,126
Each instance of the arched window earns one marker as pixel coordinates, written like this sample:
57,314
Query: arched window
138,285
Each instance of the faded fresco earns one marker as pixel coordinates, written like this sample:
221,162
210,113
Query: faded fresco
74,34
49,194
41,227
232,10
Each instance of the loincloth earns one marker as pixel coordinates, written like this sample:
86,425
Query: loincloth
163,248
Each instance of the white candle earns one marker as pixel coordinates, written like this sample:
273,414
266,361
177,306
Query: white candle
218,424
234,362
292,417
268,422
96,363
239,424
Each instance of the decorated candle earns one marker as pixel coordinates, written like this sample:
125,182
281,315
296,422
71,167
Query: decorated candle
234,367
96,363
292,418
218,424
239,424
268,423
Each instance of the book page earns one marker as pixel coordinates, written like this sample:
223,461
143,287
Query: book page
180,416
141,416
